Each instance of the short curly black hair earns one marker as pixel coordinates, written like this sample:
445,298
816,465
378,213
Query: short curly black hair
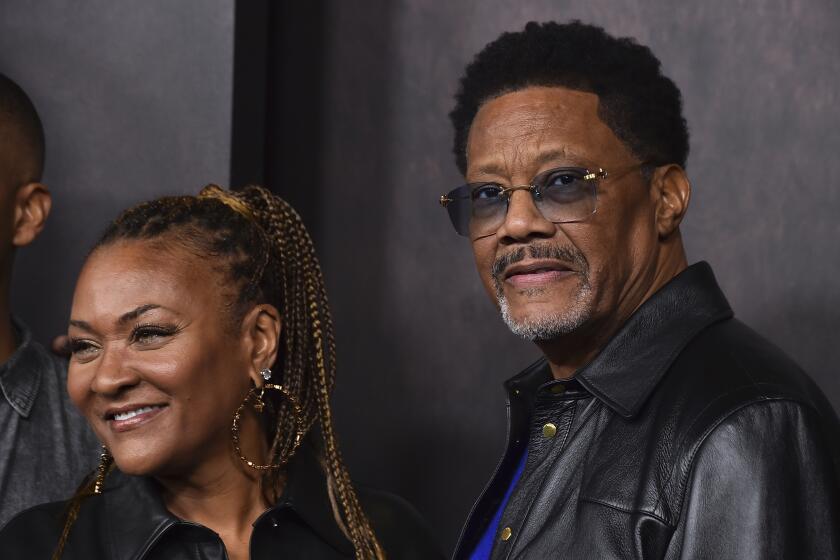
641,105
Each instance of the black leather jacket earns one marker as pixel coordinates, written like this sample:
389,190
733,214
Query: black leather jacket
129,522
689,436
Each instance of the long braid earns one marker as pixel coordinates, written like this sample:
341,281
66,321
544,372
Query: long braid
270,258
289,230
90,486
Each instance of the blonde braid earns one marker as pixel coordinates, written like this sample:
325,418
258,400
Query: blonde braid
91,486
308,312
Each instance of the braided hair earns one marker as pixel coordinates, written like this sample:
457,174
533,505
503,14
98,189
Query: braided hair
267,255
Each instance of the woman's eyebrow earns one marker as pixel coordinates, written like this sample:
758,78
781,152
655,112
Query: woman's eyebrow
84,325
124,318
133,314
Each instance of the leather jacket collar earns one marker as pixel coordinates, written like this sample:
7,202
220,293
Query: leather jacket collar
137,518
647,344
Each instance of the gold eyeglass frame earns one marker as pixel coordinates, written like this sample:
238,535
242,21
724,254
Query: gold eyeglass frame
507,191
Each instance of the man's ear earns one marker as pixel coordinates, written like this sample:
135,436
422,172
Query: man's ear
261,329
32,206
671,191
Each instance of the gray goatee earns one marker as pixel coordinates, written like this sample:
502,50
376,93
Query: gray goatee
549,325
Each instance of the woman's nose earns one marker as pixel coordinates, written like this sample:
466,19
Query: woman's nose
112,375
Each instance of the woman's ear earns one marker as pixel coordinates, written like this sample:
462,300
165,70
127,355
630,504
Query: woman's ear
261,329
672,192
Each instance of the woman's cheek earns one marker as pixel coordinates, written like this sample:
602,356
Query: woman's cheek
78,387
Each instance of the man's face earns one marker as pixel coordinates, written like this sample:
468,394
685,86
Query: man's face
554,279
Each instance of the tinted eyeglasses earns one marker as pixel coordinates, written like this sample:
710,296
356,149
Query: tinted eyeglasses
562,195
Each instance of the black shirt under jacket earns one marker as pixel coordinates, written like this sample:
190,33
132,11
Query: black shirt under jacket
128,521
689,436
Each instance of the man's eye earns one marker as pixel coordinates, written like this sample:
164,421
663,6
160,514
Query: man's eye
562,179
486,192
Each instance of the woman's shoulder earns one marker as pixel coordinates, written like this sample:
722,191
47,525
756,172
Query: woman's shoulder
400,528
34,532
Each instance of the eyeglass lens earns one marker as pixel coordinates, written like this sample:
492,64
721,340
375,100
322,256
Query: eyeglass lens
561,195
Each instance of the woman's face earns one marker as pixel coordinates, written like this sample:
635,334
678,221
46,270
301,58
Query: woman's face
156,367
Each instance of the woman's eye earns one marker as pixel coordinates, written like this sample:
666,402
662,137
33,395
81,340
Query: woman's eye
151,334
82,348
486,192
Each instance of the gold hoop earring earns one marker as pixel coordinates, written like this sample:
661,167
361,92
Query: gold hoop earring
259,404
105,460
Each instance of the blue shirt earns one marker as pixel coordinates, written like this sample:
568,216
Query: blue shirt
485,545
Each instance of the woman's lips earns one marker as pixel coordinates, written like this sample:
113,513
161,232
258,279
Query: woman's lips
135,418
538,277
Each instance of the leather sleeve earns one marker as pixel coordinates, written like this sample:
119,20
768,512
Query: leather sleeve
763,487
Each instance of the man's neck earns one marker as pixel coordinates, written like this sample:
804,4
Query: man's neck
567,354
8,336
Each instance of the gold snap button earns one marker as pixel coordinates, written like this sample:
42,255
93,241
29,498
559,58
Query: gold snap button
549,430
557,389
506,533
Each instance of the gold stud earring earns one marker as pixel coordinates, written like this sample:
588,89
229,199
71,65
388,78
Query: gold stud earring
259,404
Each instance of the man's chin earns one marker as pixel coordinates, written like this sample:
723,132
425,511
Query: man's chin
541,301
545,316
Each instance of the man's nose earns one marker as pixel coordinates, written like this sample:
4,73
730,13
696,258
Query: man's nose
523,220
112,374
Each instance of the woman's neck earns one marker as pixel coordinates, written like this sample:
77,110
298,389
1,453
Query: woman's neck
223,497
223,493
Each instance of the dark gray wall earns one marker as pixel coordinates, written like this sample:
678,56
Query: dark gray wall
421,350
136,102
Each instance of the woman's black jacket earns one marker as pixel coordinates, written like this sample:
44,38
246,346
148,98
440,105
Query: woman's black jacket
129,522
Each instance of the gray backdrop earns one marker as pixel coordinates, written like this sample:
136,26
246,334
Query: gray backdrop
135,98
137,102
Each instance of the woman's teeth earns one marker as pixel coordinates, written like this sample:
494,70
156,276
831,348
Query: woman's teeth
132,413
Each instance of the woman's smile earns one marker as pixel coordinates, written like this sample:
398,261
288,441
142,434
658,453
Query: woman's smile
131,417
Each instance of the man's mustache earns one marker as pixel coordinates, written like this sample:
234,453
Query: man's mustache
564,254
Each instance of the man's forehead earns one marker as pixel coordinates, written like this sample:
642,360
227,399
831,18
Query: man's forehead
535,109
535,125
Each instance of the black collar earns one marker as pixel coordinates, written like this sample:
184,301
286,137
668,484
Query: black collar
306,494
628,368
20,376
136,517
